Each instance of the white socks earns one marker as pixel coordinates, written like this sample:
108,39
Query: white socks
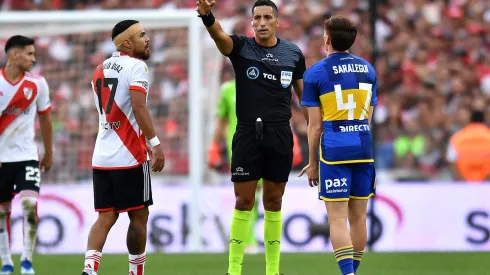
92,261
4,236
137,264
30,222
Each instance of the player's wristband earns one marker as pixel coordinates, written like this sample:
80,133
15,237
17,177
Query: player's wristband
208,19
154,141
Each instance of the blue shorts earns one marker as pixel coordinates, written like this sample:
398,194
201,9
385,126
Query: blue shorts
341,182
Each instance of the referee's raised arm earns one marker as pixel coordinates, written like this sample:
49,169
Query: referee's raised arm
220,37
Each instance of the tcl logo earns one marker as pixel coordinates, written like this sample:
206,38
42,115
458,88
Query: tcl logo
269,76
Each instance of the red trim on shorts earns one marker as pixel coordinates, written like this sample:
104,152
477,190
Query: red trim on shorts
135,143
104,209
131,209
138,88
44,111
117,168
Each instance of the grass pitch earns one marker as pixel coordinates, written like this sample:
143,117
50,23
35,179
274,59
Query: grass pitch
291,264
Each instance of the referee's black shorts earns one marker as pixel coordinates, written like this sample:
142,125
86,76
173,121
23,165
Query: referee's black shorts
122,190
270,158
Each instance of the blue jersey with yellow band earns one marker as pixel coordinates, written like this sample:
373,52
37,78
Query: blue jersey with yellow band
344,86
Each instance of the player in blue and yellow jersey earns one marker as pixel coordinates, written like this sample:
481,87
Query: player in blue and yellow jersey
340,92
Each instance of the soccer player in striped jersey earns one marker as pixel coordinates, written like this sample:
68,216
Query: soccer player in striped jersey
340,93
22,96
121,170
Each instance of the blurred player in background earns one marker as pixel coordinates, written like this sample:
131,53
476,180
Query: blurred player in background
121,170
266,68
22,95
340,93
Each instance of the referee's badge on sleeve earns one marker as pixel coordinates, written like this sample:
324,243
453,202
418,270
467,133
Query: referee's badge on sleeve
286,78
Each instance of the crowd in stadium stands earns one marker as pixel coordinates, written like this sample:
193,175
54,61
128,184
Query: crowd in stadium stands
433,60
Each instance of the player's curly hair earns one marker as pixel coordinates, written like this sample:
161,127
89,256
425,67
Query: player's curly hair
268,3
342,32
122,26
18,41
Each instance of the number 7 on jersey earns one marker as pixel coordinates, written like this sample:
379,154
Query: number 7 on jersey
102,83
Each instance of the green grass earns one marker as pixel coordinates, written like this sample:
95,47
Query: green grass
291,264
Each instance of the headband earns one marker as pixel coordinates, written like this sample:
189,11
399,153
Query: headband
125,35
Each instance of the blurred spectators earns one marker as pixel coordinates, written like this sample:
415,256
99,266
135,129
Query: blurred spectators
433,60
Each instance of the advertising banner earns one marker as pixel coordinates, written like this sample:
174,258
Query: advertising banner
408,217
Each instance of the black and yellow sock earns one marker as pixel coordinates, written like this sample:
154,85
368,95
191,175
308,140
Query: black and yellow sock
344,256
357,259
240,225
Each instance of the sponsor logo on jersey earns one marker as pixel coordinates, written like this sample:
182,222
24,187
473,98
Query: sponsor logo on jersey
110,125
28,93
354,128
270,57
286,78
253,72
269,76
15,111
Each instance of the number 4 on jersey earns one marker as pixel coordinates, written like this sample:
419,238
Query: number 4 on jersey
351,105
101,83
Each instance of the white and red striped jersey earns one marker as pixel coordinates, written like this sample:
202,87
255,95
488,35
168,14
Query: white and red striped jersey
19,103
120,142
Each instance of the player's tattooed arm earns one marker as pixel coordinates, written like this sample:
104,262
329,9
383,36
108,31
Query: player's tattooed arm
221,38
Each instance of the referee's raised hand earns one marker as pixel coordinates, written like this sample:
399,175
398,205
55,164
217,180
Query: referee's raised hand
203,7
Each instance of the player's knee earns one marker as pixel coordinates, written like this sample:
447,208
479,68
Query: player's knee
272,202
245,202
337,220
357,217
107,219
29,209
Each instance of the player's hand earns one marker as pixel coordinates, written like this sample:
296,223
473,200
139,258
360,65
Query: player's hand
203,7
46,162
312,172
157,158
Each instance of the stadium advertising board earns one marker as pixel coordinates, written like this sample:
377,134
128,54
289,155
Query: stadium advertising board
409,217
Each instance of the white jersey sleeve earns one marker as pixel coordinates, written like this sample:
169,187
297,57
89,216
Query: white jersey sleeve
139,78
43,102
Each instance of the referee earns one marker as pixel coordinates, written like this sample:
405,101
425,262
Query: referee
266,68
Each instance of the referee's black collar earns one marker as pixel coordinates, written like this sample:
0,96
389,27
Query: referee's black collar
277,43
